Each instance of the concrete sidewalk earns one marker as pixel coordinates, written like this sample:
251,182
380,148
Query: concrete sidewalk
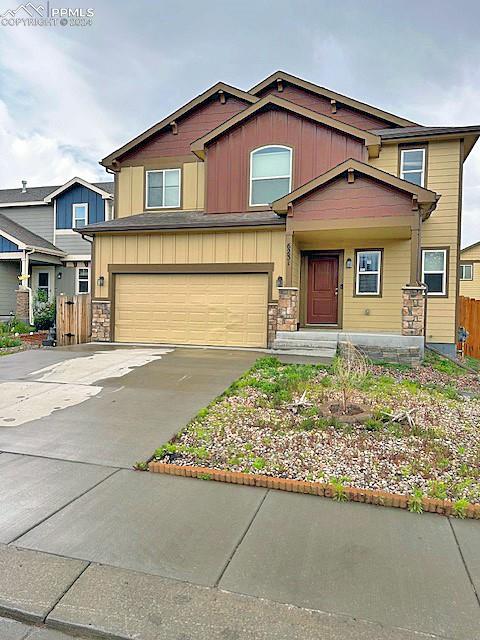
101,549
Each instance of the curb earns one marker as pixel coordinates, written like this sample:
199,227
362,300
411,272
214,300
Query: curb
352,494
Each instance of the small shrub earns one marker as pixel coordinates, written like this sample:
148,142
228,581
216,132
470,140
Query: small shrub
437,489
415,504
43,311
7,342
259,464
141,466
460,508
350,369
338,488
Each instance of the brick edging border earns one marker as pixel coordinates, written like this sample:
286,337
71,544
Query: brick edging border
368,496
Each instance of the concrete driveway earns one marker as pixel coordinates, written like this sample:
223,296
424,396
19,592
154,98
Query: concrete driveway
107,405
96,547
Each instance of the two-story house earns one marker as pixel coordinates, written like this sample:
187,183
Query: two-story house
287,216
39,250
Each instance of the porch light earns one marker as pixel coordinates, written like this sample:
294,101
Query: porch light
279,281
349,263
100,281
59,275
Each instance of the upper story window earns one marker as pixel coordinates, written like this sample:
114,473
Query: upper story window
368,273
270,174
434,271
412,165
163,189
466,271
80,214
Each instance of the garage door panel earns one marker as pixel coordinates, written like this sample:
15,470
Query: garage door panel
205,309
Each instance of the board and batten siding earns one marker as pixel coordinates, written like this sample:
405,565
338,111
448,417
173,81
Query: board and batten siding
9,272
316,148
441,229
131,188
382,314
37,219
78,194
255,246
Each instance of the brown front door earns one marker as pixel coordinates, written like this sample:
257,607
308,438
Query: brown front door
322,294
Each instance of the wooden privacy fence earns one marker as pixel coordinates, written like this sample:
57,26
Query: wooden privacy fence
73,319
470,319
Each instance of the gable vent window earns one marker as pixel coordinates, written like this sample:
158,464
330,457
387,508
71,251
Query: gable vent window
163,189
466,272
270,174
412,166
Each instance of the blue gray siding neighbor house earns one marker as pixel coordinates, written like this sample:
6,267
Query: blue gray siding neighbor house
36,224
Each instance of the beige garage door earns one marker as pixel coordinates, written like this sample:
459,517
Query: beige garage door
205,309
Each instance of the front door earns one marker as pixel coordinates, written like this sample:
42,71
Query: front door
322,294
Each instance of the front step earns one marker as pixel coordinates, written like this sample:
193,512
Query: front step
320,344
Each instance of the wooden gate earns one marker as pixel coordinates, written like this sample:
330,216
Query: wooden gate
73,319
470,319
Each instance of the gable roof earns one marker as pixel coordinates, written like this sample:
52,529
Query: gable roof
372,141
332,95
35,196
470,246
105,194
426,199
203,97
24,238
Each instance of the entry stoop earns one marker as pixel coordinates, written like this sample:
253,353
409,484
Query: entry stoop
321,344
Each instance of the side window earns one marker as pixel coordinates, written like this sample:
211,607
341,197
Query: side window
368,275
270,174
412,165
79,215
83,280
44,284
466,271
163,189
434,271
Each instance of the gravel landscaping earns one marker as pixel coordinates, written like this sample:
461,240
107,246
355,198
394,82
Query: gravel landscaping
406,431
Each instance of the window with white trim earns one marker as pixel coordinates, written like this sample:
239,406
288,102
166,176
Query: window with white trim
83,279
434,271
412,166
466,271
270,174
163,189
80,214
369,264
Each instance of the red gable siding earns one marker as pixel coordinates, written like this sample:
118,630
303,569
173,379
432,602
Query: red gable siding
192,126
322,105
316,149
364,198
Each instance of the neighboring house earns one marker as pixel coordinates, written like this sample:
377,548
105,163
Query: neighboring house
287,215
470,271
39,251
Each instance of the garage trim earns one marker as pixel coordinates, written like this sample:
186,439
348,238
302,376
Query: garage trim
220,267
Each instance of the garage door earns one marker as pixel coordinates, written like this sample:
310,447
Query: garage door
205,309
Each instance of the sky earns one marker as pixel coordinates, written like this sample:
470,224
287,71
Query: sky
71,95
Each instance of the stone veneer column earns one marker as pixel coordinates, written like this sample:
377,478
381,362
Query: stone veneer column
272,323
22,306
101,312
413,311
287,315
